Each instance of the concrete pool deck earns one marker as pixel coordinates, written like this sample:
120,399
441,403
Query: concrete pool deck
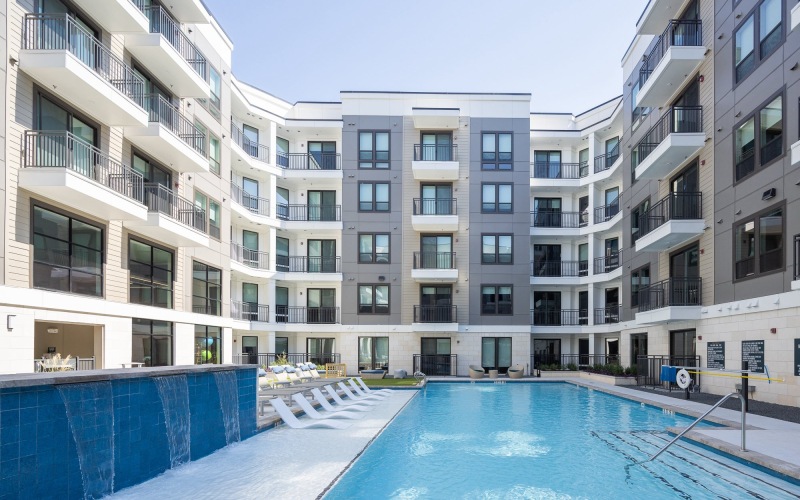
302,463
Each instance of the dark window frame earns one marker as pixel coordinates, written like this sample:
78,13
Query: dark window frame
635,293
374,203
374,254
373,306
758,57
221,330
497,294
151,336
206,298
374,152
634,210
373,350
756,219
41,92
497,161
496,255
172,271
497,202
755,115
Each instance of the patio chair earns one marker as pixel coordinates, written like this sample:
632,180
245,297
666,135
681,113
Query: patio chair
292,421
370,391
312,412
303,372
516,371
365,399
340,401
476,372
323,401
358,390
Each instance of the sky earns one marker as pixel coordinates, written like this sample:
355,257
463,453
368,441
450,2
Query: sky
566,53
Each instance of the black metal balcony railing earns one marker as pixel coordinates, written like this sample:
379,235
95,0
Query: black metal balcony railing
163,200
323,213
435,314
269,358
607,315
676,120
435,206
436,365
65,150
249,311
675,206
164,112
679,33
797,256
309,315
559,317
310,161
556,218
77,364
648,368
559,268
161,22
606,212
214,231
62,32
203,305
434,260
304,264
671,292
435,152
252,203
606,161
579,361
248,257
556,170
255,150
607,263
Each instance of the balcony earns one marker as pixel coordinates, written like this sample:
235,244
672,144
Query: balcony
309,213
252,259
270,358
435,314
556,170
248,311
795,17
657,14
607,315
170,137
559,317
310,161
678,52
171,219
60,166
796,273
435,365
608,263
677,136
674,299
435,162
434,267
304,264
116,16
435,214
185,11
245,150
168,53
672,221
307,315
606,212
61,55
559,268
557,223
248,205
606,161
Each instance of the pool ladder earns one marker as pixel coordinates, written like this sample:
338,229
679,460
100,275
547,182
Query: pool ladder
700,419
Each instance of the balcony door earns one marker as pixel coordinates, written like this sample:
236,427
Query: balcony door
437,199
250,248
583,307
682,347
435,358
547,308
321,305
250,350
282,255
321,350
281,305
546,352
547,260
250,194
548,212
684,269
547,164
57,149
496,353
322,205
55,33
282,152
583,352
436,252
151,172
250,301
612,305
321,256
282,203
682,187
583,259
437,146
250,140
373,353
321,155
612,202
436,302
611,253
583,209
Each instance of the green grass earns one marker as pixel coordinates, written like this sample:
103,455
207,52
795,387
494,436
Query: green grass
390,382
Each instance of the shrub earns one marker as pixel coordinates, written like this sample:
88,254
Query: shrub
572,367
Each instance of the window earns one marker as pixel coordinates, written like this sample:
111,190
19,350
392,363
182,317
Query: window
282,152
152,342
497,151
207,345
758,244
373,150
640,279
496,353
373,197
199,138
547,165
67,253
152,273
373,248
211,209
435,146
373,299
636,219
638,113
496,299
763,29
151,172
215,82
206,289
497,249
496,198
282,345
373,353
320,350
214,154
759,139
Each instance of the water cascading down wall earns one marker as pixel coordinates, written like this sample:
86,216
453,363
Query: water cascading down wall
89,434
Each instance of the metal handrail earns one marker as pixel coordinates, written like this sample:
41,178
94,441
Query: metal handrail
248,257
607,315
248,311
556,218
559,317
606,161
303,314
164,112
161,22
435,314
676,120
671,292
306,264
62,32
255,150
553,170
310,161
43,149
436,364
679,33
435,206
313,213
435,152
607,263
434,260
606,212
797,256
674,206
559,268
252,203
161,199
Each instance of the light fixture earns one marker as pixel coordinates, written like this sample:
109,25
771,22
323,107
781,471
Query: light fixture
769,194
11,322
381,278
794,67
12,61
719,221
738,212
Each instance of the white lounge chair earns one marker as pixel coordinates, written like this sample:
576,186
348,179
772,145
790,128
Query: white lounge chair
358,390
288,417
365,399
312,412
323,401
340,401
371,391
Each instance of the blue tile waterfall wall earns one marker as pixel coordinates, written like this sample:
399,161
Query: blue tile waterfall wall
52,425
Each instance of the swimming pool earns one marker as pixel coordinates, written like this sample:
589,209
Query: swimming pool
543,440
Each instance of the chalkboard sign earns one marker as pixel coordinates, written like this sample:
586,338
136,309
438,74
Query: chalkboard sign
716,356
753,352
797,357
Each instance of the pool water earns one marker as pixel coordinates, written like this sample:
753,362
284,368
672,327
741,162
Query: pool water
542,440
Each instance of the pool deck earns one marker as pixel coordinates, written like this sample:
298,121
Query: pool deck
303,463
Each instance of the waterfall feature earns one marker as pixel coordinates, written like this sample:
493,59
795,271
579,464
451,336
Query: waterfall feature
90,412
174,394
228,390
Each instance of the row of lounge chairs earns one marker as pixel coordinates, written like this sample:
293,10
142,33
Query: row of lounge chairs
287,375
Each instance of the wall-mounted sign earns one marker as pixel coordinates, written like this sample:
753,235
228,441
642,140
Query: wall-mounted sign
753,352
716,356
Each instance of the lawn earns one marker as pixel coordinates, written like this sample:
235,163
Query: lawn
390,382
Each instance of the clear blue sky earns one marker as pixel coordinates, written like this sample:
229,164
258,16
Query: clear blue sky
566,53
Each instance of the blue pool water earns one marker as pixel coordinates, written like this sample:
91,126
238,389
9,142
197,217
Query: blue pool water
544,440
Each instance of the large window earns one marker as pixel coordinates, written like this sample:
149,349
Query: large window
496,353
151,270
640,279
373,248
373,353
758,244
497,249
496,198
152,342
215,83
638,113
206,289
759,139
497,152
207,345
757,37
636,219
373,197
373,150
373,299
496,299
214,154
67,253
